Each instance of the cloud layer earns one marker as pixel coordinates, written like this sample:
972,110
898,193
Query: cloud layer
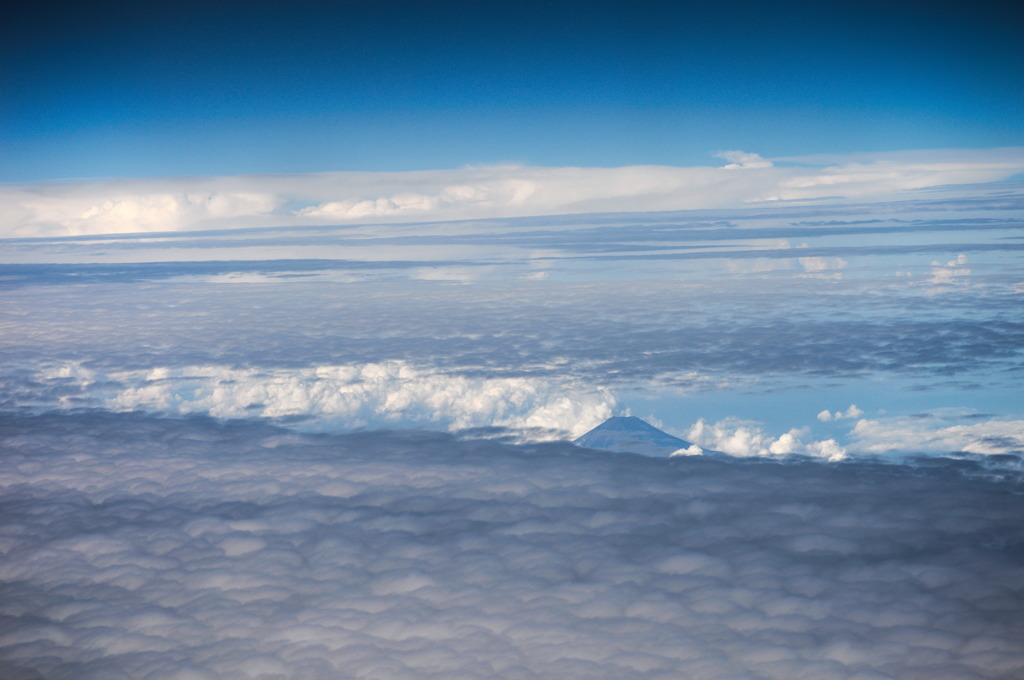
347,396
741,323
150,549
117,206
941,432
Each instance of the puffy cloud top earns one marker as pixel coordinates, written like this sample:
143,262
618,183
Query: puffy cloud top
135,547
350,396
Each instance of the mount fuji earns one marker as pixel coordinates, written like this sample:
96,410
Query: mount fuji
629,434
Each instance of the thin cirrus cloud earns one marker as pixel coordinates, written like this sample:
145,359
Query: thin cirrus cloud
146,205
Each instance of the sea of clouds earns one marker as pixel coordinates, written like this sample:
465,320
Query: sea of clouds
133,546
185,492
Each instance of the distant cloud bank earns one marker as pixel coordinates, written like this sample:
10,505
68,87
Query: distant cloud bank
397,393
178,204
328,396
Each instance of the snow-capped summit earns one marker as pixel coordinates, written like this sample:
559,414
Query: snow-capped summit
629,434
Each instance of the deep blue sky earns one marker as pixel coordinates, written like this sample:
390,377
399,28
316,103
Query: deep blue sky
139,89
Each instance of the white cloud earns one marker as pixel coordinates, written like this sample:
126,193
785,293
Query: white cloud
741,160
104,208
950,273
504,192
828,449
935,434
851,412
758,265
120,206
888,174
823,267
746,439
785,444
453,274
691,450
347,396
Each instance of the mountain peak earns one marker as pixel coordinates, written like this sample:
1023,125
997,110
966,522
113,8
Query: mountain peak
629,434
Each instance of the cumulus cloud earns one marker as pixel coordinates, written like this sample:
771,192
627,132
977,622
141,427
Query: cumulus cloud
950,273
852,412
103,208
348,396
828,449
141,548
691,450
823,267
745,439
741,160
119,206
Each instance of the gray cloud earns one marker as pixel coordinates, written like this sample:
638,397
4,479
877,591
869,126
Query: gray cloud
144,548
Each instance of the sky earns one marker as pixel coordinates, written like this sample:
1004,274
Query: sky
302,305
116,89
